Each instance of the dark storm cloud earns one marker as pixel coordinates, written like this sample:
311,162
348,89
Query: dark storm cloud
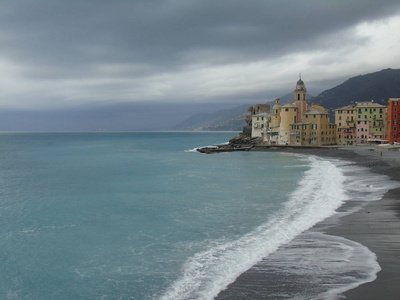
61,38
74,54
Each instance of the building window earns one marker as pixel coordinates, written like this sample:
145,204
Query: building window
314,126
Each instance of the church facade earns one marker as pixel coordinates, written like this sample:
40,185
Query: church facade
295,123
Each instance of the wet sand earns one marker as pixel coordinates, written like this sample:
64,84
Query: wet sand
376,226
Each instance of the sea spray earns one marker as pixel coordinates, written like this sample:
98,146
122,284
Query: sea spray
319,194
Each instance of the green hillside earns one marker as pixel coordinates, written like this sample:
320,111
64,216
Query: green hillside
378,86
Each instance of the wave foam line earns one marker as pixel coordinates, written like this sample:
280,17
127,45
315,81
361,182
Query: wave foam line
319,194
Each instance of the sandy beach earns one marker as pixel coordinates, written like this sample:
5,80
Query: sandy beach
376,226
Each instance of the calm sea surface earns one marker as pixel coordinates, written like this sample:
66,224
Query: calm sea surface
144,216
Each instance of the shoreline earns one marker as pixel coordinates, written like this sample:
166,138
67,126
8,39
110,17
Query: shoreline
376,225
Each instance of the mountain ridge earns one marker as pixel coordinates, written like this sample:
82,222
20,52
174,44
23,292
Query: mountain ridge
378,86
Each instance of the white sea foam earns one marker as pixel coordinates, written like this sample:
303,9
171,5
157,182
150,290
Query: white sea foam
210,146
319,194
195,149
191,150
326,265
354,263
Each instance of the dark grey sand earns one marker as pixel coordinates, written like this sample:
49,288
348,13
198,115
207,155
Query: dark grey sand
376,226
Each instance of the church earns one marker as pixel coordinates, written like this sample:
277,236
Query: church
295,123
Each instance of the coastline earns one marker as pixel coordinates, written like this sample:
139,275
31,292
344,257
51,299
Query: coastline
376,225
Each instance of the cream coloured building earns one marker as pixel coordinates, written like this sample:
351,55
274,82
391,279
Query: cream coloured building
259,123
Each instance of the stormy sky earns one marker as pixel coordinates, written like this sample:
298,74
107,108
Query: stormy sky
89,63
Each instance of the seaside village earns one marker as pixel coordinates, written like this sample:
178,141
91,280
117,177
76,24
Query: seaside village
308,125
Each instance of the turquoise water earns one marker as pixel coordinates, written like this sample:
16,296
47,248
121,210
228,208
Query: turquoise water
144,216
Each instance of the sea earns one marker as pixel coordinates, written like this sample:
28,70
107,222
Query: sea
143,215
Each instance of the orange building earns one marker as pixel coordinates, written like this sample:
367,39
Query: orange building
393,126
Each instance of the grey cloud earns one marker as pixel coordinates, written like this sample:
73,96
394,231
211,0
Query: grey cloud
115,50
78,34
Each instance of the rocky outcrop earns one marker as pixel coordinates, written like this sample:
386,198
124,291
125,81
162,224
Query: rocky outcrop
242,139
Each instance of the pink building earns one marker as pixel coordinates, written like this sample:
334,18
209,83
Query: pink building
362,131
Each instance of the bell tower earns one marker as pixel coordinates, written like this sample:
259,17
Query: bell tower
300,98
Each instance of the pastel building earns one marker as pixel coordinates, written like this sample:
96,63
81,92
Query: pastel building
393,125
300,99
259,123
259,119
345,120
314,129
296,123
371,123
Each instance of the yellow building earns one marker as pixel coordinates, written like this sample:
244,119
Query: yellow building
315,129
272,131
288,117
345,120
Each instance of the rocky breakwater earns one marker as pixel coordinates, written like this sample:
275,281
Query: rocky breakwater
240,142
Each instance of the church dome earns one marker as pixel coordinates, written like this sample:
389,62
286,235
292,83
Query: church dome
300,82
277,105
